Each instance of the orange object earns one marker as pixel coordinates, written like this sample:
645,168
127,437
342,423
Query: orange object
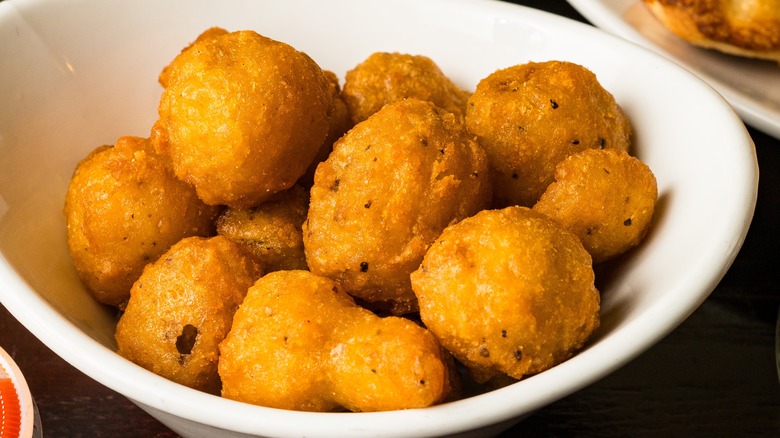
10,410
16,406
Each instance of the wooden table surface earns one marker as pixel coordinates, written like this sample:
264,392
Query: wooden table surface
715,375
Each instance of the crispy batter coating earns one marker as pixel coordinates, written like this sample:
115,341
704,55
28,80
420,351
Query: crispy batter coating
299,342
272,230
182,307
208,34
389,77
508,291
386,192
605,197
124,208
242,117
531,116
340,123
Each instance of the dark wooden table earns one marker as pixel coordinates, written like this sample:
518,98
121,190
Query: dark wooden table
715,375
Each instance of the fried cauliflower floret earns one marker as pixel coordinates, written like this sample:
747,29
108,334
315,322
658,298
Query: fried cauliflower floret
124,208
340,123
531,116
605,197
386,192
272,230
508,292
300,342
242,117
389,77
208,34
182,307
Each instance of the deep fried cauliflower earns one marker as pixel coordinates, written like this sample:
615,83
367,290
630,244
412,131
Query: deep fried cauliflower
386,192
531,116
508,292
300,342
605,197
124,208
389,77
272,230
242,117
182,307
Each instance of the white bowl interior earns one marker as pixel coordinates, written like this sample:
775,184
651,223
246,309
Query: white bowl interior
78,74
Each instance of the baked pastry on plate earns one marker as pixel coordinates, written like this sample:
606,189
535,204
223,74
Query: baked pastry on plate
749,28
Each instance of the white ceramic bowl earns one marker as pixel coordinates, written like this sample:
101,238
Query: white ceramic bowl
78,74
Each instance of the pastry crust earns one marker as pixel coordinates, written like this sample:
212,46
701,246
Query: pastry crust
748,28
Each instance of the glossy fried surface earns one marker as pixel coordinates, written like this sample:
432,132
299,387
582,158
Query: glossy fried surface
300,342
389,77
385,193
124,208
529,117
242,117
340,123
208,34
740,27
272,230
508,292
605,197
182,307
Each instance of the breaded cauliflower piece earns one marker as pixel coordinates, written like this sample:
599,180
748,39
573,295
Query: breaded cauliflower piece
300,342
386,192
182,307
389,77
508,292
605,197
242,117
531,116
124,208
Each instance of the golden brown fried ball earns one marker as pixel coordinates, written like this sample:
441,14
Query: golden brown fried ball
242,117
208,34
182,307
386,192
124,208
605,197
389,77
340,123
272,230
299,342
531,116
508,291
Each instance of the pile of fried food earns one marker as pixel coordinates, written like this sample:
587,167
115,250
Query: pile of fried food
285,241
747,28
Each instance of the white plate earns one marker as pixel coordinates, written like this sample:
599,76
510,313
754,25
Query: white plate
751,86
78,73
28,421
